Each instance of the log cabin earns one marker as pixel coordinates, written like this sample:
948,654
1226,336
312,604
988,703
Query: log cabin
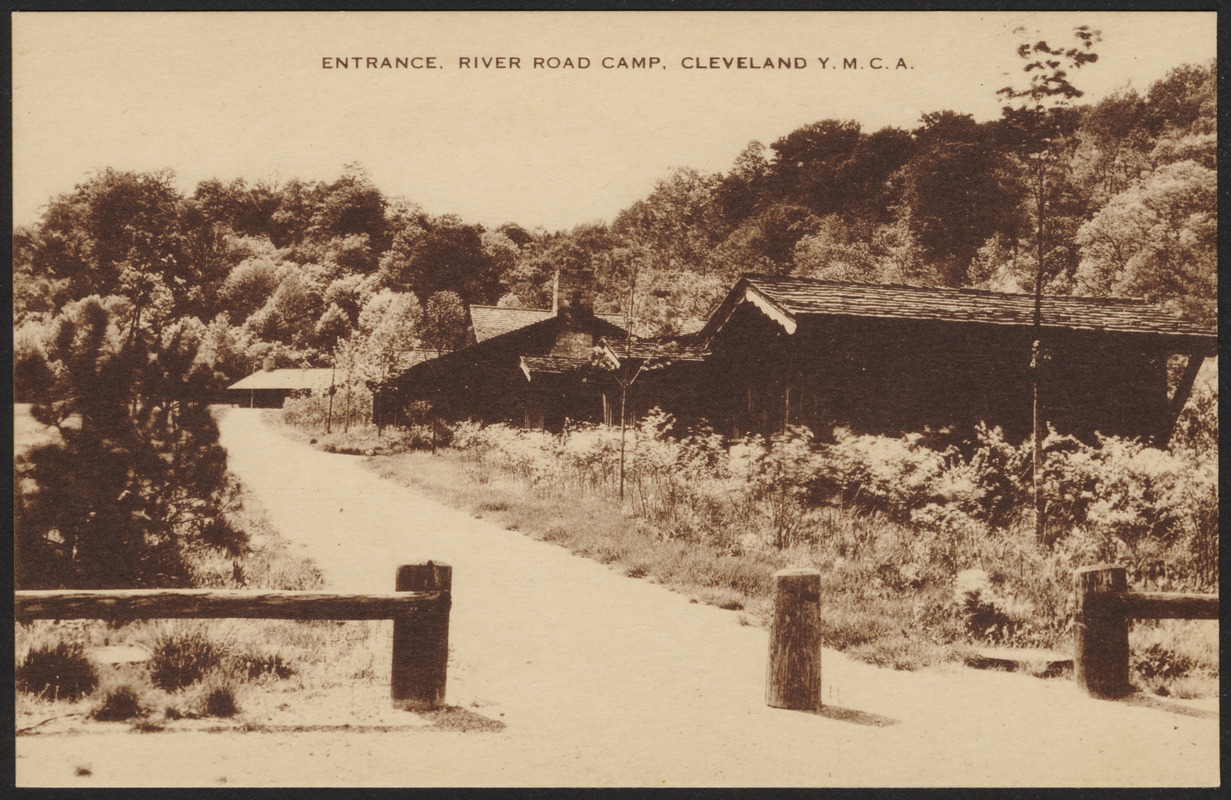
525,367
781,351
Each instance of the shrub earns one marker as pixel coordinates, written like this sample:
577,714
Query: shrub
890,517
182,659
352,407
893,475
60,671
777,477
119,704
219,701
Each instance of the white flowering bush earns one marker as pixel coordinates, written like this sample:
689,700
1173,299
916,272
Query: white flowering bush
892,474
777,476
1154,510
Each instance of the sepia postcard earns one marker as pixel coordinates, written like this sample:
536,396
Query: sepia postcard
638,399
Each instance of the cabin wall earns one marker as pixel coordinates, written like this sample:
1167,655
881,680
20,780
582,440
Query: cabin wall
894,376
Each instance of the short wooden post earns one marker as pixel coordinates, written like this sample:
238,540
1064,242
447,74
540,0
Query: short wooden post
793,679
1100,638
421,640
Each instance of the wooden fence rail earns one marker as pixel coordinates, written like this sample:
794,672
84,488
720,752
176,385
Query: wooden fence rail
1104,607
419,608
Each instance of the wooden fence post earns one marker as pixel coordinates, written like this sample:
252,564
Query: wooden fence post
1100,639
793,679
421,641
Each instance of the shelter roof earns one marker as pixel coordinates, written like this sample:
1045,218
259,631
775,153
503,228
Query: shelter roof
292,378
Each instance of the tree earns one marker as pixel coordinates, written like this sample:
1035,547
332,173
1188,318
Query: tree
781,228
450,257
833,253
390,325
501,253
350,206
118,233
530,279
1034,114
289,316
810,165
954,193
871,172
739,191
678,223
249,285
1113,146
138,477
1158,240
444,322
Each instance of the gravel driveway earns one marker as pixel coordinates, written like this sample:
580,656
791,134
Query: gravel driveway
605,680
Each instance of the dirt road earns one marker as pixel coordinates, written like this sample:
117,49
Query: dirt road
605,680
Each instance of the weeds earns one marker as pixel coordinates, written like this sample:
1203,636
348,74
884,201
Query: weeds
258,665
182,658
59,671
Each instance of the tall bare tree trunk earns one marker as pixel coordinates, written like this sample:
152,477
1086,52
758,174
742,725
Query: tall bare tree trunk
1036,362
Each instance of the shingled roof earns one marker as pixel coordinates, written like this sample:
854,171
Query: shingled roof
791,299
671,348
553,365
488,322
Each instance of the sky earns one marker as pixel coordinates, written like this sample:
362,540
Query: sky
248,95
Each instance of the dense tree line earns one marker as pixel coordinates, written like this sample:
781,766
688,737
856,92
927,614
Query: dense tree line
279,274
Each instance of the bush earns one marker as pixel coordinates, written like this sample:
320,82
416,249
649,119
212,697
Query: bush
60,671
882,473
219,701
182,659
777,477
118,705
352,407
137,476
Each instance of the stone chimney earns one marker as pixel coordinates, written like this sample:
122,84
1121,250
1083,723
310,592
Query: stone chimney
573,293
573,302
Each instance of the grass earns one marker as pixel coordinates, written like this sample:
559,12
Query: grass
119,704
1175,658
219,700
181,658
360,439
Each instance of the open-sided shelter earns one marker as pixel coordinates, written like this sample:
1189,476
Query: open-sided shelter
269,388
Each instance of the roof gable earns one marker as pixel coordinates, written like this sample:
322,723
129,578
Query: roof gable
499,330
488,322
